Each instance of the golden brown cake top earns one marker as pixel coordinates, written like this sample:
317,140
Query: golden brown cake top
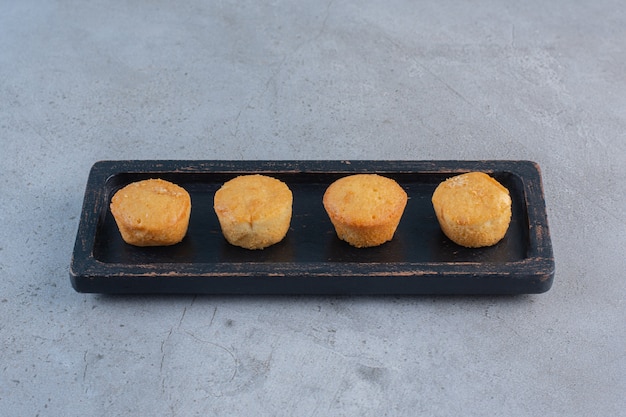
364,199
151,204
249,198
471,198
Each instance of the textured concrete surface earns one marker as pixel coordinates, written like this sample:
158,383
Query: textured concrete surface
82,81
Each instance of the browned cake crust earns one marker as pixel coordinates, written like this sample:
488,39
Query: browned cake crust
365,209
152,212
254,211
473,209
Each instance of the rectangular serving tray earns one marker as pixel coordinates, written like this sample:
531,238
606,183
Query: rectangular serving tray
311,259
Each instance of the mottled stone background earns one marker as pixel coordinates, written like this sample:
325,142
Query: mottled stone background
82,81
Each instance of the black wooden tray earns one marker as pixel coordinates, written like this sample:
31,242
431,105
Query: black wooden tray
311,259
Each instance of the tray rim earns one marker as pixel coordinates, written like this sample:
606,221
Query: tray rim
537,267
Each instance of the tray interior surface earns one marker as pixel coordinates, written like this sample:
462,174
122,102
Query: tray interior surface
311,237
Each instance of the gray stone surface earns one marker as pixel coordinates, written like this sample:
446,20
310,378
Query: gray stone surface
82,81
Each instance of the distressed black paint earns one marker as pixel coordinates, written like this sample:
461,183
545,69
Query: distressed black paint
311,260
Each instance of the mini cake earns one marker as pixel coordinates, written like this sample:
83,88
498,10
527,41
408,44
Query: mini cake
151,212
365,209
473,209
254,211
